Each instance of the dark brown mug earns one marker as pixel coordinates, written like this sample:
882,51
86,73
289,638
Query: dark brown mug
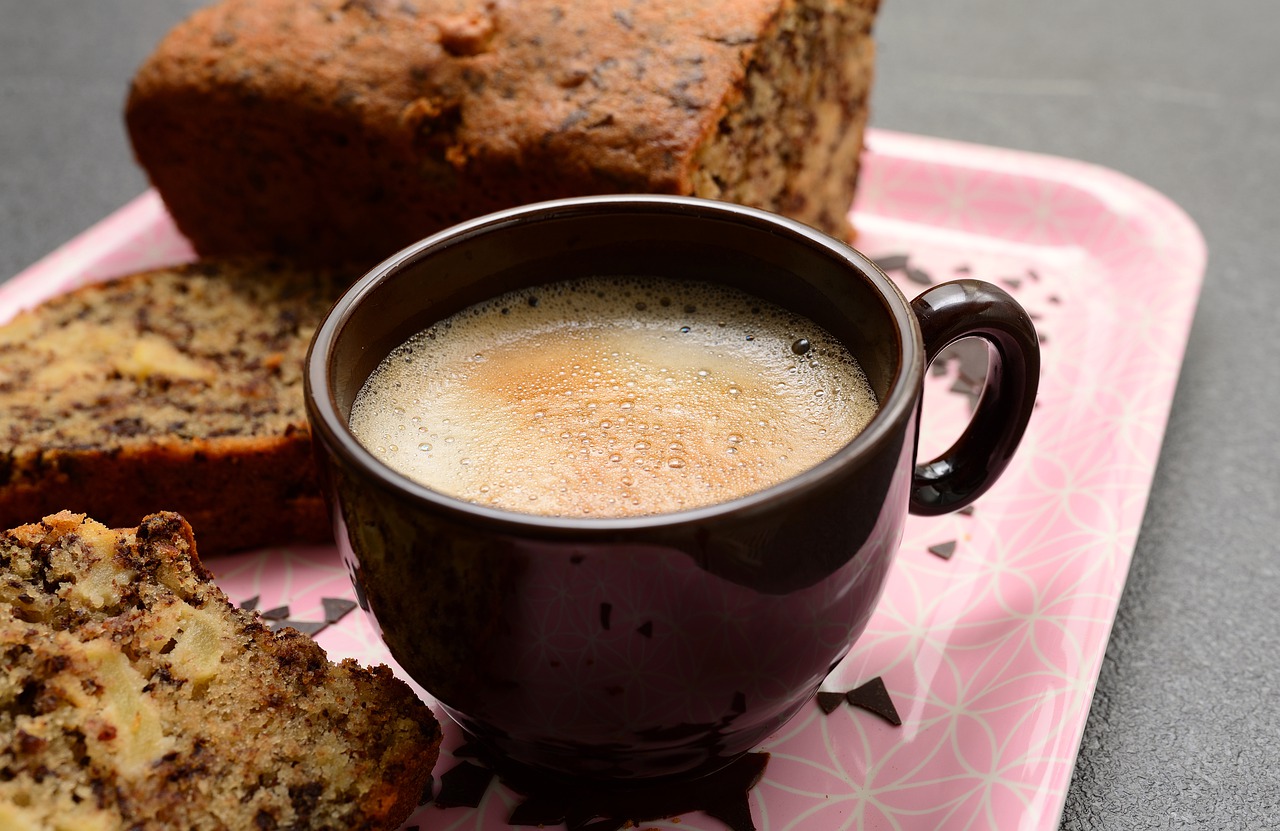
665,645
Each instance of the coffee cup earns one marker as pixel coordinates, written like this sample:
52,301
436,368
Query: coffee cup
632,648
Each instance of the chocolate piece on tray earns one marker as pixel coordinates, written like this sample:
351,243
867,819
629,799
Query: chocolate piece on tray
892,262
874,698
306,627
735,813
278,613
919,276
943,549
585,806
336,608
463,786
829,701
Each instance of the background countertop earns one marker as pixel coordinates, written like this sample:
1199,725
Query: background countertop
1180,94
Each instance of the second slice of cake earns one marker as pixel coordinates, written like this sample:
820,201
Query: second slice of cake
173,389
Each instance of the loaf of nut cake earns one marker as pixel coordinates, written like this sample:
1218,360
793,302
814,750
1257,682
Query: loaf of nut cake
174,389
134,696
345,129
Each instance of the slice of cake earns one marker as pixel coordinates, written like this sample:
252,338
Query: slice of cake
134,696
345,129
177,389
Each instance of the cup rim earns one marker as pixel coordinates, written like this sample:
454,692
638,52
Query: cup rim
328,425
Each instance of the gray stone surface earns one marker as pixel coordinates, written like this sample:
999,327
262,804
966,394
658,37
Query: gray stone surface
1181,94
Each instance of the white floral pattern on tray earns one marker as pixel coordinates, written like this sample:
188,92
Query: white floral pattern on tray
990,655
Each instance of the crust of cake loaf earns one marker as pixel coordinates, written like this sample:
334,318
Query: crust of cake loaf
134,695
337,130
239,492
176,389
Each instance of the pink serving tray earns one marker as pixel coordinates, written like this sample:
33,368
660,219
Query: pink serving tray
991,656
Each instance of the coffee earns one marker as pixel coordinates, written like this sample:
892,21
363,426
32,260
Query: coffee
613,397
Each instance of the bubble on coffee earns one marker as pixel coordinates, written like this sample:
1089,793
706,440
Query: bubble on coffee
613,397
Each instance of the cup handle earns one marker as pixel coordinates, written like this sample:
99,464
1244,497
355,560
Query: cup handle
972,308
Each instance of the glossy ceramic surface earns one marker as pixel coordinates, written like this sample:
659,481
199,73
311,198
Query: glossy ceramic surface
685,639
990,656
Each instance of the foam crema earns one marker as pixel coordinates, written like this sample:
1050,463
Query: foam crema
613,397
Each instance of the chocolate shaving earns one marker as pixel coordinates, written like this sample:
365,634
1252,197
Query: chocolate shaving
1011,282
735,813
963,269
306,627
585,806
645,629
829,701
722,794
892,262
336,608
463,786
606,613
1054,299
278,613
874,698
944,549
1033,275
967,510
919,276
251,604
